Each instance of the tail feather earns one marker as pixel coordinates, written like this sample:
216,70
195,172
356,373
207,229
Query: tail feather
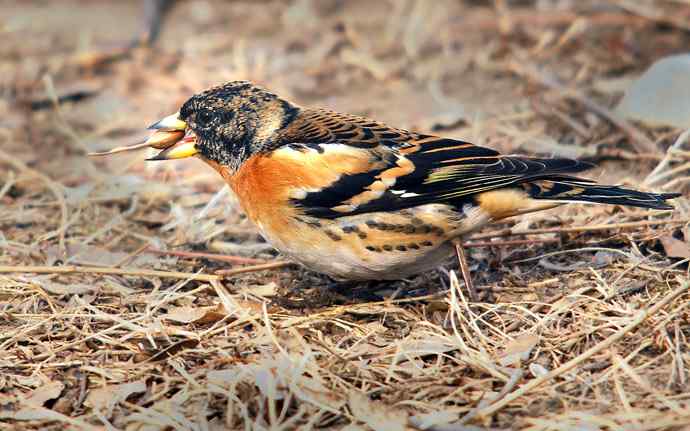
580,190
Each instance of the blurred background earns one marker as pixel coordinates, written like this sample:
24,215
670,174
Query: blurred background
605,81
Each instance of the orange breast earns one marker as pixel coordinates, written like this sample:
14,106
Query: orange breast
265,183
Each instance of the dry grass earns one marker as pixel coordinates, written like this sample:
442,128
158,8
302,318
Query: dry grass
136,296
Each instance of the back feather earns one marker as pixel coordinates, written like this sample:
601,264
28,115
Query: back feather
409,169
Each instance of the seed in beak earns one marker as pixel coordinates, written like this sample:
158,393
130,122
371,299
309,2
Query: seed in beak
164,139
180,150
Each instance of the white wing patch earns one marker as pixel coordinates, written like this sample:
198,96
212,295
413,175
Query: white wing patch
409,195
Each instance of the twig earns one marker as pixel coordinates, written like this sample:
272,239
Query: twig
488,21
72,269
465,271
209,256
592,228
127,259
9,182
642,315
515,377
616,153
53,186
639,9
574,250
671,172
254,268
536,308
509,242
123,149
641,143
676,146
49,415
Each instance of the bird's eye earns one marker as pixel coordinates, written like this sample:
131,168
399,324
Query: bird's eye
204,117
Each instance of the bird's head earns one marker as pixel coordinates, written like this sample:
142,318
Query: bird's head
227,124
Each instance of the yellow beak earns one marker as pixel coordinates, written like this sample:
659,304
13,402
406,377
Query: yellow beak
171,123
182,149
171,128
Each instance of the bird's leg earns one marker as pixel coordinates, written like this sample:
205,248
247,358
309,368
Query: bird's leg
465,271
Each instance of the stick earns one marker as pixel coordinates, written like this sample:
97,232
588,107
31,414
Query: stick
596,227
133,147
254,268
465,271
677,145
639,140
53,186
210,256
642,315
510,242
72,269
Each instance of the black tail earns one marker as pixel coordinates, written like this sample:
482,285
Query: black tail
580,190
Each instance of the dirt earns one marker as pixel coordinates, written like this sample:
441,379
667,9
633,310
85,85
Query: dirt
95,348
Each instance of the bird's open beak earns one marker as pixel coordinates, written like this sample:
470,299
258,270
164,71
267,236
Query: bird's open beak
173,137
186,147
170,123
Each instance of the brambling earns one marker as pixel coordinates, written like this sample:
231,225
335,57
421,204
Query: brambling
356,199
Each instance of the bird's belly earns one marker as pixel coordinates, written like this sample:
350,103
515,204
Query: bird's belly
375,246
347,264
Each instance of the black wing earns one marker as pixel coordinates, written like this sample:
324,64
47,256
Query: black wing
410,169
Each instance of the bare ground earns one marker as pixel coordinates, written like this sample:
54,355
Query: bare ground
109,320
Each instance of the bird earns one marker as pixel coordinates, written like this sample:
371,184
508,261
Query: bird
355,199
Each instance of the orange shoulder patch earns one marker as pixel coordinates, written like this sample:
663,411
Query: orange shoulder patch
265,183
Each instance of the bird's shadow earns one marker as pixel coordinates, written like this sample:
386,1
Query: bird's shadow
309,290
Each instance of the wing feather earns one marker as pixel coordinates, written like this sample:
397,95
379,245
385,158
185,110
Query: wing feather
408,169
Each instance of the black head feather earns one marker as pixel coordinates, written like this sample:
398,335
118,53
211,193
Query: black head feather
235,120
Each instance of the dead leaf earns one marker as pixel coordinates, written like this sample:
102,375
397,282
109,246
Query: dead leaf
434,419
424,348
377,415
32,381
33,404
36,413
84,255
312,390
107,397
675,247
47,392
321,396
249,307
64,289
200,315
268,289
518,350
